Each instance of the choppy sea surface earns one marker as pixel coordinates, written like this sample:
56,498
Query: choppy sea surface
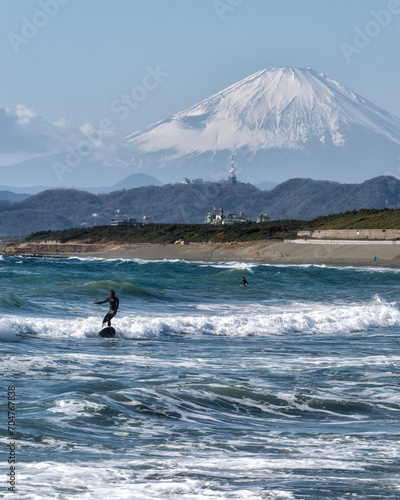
285,389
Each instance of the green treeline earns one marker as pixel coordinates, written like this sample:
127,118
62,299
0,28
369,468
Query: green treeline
198,233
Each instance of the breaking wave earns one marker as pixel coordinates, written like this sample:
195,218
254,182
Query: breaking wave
323,319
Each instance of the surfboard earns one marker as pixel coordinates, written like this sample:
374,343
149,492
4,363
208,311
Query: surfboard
107,331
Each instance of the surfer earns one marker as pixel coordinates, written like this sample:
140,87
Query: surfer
114,304
244,281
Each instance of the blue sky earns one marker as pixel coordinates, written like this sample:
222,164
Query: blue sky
73,61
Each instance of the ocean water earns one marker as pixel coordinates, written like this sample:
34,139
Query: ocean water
285,389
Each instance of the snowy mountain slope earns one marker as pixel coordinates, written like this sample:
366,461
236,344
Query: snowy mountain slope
291,119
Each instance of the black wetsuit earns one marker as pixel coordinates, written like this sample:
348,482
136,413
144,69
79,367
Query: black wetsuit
114,304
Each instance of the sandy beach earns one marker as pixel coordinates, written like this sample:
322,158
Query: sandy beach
357,253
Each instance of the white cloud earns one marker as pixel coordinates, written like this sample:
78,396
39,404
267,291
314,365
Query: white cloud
24,114
22,130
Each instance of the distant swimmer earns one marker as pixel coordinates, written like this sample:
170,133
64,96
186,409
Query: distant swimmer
114,304
244,282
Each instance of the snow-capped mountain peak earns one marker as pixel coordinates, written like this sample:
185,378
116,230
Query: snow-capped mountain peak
275,109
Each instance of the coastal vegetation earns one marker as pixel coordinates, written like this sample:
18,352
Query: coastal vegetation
249,231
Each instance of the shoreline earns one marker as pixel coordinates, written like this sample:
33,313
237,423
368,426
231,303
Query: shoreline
341,254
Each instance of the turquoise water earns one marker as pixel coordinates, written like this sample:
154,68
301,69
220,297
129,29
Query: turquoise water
285,389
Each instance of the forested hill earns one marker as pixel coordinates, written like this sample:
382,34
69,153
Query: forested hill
196,233
301,199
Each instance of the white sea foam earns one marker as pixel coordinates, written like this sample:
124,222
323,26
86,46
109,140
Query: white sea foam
206,472
65,408
232,321
229,265
7,334
125,479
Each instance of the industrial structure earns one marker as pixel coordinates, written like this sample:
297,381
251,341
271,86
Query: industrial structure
232,176
123,222
220,218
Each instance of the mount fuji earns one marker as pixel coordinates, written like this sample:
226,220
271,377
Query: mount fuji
279,123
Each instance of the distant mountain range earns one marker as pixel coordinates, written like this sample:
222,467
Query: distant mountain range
10,196
10,193
129,182
189,203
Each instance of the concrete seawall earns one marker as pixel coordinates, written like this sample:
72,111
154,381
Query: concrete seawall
344,242
352,234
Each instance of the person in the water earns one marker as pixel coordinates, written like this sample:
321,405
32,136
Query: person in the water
114,304
244,281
